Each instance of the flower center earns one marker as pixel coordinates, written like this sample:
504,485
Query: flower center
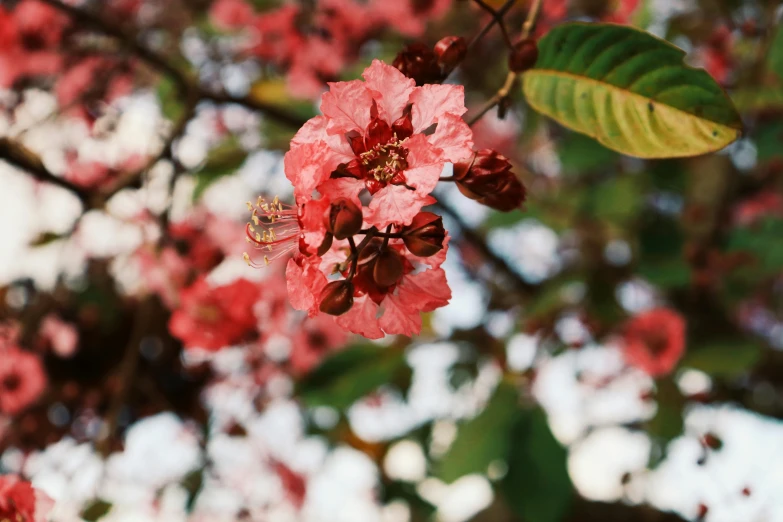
383,162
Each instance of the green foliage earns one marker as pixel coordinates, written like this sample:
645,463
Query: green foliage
223,160
769,142
763,241
775,56
629,90
351,374
579,154
668,421
725,358
537,486
193,482
661,259
483,439
95,510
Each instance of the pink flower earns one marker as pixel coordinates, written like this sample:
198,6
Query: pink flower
654,341
20,502
230,14
61,336
408,17
22,380
214,317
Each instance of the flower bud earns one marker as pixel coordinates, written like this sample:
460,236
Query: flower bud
344,218
523,55
417,61
337,297
488,179
425,235
451,50
388,267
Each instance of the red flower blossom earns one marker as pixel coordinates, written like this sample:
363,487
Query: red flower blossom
22,380
654,341
371,137
214,317
20,502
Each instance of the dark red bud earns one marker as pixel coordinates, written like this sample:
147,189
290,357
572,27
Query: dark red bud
337,297
425,235
523,55
419,62
388,267
344,218
403,127
488,179
451,50
326,245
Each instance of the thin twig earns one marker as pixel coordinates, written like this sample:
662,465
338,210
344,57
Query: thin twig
530,20
499,15
499,96
498,19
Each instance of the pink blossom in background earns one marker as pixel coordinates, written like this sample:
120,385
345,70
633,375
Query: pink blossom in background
60,335
654,341
22,379
20,502
230,14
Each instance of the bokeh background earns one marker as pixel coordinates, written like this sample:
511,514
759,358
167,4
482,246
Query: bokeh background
148,374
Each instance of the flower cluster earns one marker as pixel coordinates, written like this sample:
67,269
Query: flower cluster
20,502
375,137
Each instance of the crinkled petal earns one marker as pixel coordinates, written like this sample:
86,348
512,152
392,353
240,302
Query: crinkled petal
342,188
454,137
425,291
347,105
304,284
362,318
315,130
425,164
313,226
397,320
395,204
306,168
390,89
430,102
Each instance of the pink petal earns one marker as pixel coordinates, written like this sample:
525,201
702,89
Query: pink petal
396,320
454,137
425,291
306,167
430,102
347,105
362,318
304,284
342,188
313,226
395,204
425,164
390,89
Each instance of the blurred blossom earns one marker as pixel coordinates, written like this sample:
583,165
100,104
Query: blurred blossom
530,247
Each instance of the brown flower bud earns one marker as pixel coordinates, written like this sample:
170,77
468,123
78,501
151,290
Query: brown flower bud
388,267
344,218
523,55
451,50
417,61
337,297
488,179
326,245
425,235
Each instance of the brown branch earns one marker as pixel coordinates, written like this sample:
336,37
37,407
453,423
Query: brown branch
21,157
530,20
499,96
499,14
498,18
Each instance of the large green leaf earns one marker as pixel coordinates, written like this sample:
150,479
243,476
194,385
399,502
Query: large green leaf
537,485
483,439
351,374
629,90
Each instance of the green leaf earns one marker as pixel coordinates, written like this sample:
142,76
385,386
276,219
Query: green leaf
724,358
95,510
763,240
579,154
775,56
483,439
668,421
349,375
629,90
769,140
537,486
223,160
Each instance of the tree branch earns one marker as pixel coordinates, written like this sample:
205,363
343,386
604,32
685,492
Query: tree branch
20,156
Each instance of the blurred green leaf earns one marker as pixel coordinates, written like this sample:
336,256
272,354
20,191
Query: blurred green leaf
170,101
579,153
537,486
482,439
223,160
192,482
752,99
775,56
724,358
660,258
95,510
763,240
769,140
349,375
616,200
668,421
